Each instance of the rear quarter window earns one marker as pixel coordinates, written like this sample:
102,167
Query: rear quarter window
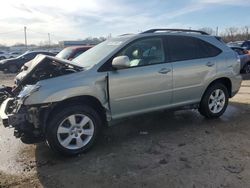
182,48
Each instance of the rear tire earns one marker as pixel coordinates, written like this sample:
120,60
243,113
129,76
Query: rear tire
214,102
73,130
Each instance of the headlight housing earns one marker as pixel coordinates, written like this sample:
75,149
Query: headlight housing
28,90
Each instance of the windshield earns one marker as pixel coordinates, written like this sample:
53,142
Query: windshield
65,53
97,53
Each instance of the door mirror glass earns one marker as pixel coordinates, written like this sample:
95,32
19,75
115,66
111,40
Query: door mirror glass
121,62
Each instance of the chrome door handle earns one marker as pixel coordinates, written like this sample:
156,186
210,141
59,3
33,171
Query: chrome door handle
210,64
164,71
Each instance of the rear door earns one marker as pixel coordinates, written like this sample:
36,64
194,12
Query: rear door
193,62
147,84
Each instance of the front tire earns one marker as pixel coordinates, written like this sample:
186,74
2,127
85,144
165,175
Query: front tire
73,130
214,102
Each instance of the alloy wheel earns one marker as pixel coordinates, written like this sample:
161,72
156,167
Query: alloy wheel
216,101
75,131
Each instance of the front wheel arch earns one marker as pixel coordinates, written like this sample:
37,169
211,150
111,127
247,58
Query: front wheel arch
55,140
91,101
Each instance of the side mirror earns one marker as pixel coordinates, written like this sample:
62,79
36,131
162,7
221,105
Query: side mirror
121,62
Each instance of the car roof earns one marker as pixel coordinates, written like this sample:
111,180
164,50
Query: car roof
160,32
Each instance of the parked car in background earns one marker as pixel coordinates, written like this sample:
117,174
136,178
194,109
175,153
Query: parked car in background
246,45
244,59
3,55
67,103
14,54
235,44
14,64
72,52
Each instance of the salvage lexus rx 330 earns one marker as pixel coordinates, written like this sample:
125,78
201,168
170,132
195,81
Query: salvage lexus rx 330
68,103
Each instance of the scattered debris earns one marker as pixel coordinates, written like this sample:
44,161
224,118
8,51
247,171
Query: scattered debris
181,144
184,159
154,150
207,132
234,169
143,133
163,161
188,165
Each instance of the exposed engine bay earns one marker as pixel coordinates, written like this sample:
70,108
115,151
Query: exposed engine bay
41,68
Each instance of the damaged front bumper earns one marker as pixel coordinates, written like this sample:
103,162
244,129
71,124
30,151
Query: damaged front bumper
15,115
6,119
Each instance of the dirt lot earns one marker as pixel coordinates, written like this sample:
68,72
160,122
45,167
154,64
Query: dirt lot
165,149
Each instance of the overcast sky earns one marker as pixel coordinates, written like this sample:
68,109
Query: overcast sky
78,19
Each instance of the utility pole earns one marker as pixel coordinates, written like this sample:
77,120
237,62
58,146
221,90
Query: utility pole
49,38
217,31
247,34
25,37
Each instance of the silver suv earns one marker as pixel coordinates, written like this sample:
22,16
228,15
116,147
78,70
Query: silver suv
67,103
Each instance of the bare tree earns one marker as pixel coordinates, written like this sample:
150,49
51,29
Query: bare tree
231,32
246,30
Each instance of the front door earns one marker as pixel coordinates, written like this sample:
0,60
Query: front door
146,85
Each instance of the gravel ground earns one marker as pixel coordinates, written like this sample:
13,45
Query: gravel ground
164,149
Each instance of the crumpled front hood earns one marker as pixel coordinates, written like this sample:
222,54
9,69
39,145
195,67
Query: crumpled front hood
44,67
29,66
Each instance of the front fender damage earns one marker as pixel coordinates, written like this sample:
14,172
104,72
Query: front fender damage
102,91
29,121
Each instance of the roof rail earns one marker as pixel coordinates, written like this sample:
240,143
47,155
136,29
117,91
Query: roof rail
126,34
175,30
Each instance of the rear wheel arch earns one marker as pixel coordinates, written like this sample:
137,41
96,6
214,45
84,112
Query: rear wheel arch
225,81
